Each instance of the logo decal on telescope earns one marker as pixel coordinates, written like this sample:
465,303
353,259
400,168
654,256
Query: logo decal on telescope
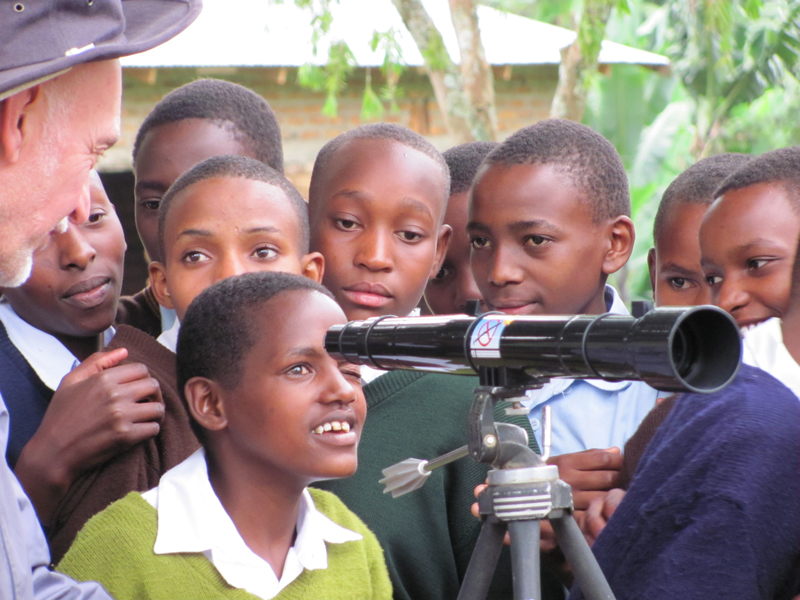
485,339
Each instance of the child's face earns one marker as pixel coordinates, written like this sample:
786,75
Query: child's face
675,272
166,153
77,275
448,292
291,389
377,224
220,227
748,241
535,247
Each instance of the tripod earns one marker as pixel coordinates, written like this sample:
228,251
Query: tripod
523,489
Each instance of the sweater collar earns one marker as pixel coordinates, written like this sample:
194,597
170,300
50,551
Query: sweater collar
192,519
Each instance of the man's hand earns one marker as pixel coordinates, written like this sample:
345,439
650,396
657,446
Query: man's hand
100,409
589,473
600,509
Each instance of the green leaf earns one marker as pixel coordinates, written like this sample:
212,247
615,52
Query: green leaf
371,105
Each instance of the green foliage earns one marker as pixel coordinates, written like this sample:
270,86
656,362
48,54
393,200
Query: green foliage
392,67
332,78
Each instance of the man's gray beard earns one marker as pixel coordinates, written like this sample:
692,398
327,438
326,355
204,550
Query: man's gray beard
16,268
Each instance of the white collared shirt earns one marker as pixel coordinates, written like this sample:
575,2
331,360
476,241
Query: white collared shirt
169,338
763,347
591,413
192,519
45,354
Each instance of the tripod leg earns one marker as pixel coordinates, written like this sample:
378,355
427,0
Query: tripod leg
483,561
525,559
578,554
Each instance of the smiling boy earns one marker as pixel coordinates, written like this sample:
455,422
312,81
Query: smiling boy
275,413
749,235
676,275
202,119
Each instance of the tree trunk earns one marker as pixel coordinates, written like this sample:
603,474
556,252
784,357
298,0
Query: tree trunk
445,77
476,73
579,61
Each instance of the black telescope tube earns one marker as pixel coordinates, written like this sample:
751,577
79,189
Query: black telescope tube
676,349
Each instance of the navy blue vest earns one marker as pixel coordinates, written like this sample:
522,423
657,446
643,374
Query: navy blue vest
25,395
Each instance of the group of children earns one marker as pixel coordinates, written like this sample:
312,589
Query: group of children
196,441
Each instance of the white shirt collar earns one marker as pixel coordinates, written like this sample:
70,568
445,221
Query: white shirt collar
44,353
169,338
192,519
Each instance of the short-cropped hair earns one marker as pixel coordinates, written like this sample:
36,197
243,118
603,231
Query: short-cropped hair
583,156
235,167
217,331
375,131
463,161
248,117
696,185
781,166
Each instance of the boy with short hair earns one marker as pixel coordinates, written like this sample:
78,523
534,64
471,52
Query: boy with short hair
376,202
454,285
674,260
548,223
749,235
205,118
275,412
68,422
262,226
751,267
714,508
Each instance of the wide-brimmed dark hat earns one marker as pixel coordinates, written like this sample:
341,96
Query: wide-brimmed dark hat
42,38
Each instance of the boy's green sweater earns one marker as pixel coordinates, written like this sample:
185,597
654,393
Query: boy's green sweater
116,548
427,535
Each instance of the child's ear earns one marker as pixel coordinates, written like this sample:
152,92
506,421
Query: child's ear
13,115
442,243
205,403
158,282
312,265
621,236
651,266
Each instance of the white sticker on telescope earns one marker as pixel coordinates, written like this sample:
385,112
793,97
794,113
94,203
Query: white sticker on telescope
485,339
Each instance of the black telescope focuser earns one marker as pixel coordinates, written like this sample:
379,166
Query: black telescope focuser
676,349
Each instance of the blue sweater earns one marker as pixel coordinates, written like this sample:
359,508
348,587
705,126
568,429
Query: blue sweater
25,395
714,507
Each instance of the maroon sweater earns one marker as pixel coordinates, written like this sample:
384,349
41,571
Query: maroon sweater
139,468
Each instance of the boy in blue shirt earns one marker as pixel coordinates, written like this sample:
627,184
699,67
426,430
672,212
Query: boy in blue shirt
549,222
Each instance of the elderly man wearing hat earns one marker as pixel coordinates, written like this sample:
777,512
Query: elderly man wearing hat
60,89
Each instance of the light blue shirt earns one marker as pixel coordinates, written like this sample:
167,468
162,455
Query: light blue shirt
24,555
591,413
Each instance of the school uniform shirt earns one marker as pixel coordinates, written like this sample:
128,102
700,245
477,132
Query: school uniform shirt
591,413
192,519
763,347
45,354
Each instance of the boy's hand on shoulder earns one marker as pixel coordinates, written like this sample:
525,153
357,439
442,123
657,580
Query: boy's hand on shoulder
100,409
590,473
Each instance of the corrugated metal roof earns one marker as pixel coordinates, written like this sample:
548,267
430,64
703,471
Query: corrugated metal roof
259,33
